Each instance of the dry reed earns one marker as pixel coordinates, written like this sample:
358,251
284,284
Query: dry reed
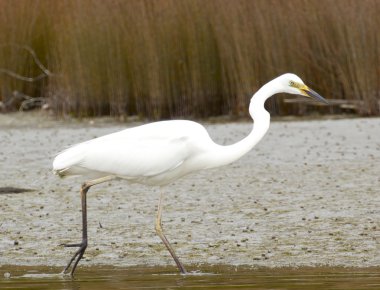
194,58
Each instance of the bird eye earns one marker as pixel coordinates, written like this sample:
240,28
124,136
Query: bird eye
292,84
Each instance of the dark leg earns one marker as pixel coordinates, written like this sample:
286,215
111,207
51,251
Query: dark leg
160,233
83,245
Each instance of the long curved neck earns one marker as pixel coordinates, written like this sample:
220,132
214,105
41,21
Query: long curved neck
223,155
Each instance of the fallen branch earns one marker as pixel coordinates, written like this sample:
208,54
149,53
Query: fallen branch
22,78
27,102
45,72
31,103
345,104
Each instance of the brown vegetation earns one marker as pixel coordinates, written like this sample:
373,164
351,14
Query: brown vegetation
197,58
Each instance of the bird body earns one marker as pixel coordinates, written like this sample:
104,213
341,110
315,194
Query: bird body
152,154
161,152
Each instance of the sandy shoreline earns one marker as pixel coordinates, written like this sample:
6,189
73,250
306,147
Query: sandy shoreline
307,195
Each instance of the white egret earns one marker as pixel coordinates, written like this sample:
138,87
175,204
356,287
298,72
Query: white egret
161,152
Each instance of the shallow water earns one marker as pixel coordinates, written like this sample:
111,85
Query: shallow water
214,277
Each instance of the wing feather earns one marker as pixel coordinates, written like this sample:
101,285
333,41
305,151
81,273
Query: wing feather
142,151
135,158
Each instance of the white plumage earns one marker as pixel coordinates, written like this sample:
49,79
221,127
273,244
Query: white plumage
158,153
154,153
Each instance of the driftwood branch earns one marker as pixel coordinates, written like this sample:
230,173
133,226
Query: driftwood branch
26,102
45,72
32,103
22,78
344,104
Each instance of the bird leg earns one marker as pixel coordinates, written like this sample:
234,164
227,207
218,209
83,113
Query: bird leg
83,245
160,233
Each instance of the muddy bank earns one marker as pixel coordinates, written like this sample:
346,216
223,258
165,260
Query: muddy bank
307,195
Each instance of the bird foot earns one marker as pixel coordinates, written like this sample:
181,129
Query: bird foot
77,256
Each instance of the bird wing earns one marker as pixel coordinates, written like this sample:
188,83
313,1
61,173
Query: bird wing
143,156
132,153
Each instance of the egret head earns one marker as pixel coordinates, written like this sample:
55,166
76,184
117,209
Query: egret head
294,85
287,83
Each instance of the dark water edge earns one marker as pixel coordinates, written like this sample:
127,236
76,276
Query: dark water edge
203,277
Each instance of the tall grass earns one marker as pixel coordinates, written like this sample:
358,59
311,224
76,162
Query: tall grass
195,58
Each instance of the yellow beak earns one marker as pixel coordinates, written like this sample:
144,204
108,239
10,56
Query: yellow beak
306,91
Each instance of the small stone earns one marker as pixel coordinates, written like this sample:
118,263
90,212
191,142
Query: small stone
15,243
7,275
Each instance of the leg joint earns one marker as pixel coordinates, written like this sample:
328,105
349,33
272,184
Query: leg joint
158,227
85,186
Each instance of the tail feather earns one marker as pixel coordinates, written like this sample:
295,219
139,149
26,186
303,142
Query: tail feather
61,172
65,162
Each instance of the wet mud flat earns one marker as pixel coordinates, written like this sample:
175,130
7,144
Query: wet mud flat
308,195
